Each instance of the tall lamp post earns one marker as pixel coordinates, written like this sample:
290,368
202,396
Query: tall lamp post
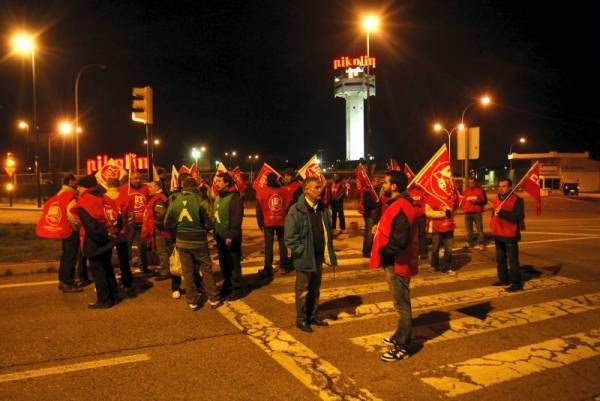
438,127
370,23
522,140
484,101
252,159
24,44
64,128
196,153
77,130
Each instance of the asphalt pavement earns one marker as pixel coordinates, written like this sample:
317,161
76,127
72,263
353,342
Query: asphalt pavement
472,341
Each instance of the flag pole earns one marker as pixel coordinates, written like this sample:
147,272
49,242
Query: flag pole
520,182
422,171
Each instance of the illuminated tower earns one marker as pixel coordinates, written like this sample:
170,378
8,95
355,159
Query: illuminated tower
353,84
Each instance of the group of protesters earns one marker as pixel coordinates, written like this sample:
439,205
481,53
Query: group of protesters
175,222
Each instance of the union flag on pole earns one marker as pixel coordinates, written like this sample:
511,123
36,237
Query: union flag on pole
174,179
393,165
193,171
437,180
312,169
531,184
408,171
236,174
362,180
108,171
260,182
184,169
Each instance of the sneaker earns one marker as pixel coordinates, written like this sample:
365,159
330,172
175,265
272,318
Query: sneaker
193,306
216,303
176,294
197,303
397,353
389,341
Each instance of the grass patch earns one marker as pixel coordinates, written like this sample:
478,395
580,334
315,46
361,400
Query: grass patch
18,243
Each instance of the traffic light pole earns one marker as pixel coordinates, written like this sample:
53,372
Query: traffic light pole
149,150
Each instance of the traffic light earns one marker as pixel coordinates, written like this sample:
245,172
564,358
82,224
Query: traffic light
10,164
142,105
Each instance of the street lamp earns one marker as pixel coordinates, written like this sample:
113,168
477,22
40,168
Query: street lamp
370,23
79,74
438,127
64,128
522,140
156,141
231,155
196,153
252,159
484,101
24,44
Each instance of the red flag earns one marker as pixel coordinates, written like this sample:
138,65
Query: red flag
312,169
174,179
393,165
194,172
363,181
531,184
409,173
260,181
437,180
184,169
108,171
236,174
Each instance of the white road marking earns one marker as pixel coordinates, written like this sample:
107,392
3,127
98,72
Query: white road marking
56,370
318,375
478,373
31,284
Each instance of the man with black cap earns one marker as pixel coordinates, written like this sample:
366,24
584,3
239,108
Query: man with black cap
99,221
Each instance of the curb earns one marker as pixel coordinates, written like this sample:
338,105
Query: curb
28,268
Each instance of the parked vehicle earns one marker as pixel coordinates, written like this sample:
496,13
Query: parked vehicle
570,188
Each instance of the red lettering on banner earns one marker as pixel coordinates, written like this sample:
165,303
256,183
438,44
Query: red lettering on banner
127,161
345,62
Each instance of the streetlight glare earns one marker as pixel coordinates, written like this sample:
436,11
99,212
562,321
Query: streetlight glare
486,100
203,149
23,125
23,43
461,127
234,153
437,127
65,127
195,153
370,23
522,140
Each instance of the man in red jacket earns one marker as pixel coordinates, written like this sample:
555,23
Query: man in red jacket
395,249
473,202
138,200
508,219
271,208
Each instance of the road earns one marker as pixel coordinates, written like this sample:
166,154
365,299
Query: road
473,341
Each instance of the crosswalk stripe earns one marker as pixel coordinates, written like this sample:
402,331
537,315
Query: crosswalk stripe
318,375
30,284
362,289
478,373
468,326
55,370
372,311
253,268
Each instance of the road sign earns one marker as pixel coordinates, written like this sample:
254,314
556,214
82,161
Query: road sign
472,134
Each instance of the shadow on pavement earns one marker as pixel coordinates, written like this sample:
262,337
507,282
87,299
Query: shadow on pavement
346,304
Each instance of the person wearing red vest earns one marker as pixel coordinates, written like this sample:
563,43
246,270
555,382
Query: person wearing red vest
118,194
473,202
153,228
98,220
292,184
339,191
508,219
271,206
395,249
67,196
368,209
137,202
418,197
441,226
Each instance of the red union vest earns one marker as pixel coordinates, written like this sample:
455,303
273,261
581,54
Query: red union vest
100,208
406,263
505,228
53,222
418,197
472,194
138,199
149,225
274,203
441,225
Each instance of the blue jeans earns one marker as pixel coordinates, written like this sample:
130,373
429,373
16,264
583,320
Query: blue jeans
445,239
471,218
400,289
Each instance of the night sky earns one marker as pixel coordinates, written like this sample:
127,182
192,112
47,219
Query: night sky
256,76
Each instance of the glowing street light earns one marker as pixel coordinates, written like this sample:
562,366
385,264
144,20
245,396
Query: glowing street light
23,125
370,23
24,44
196,153
438,127
156,142
65,127
522,140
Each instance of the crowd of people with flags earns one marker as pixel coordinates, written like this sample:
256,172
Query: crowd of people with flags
115,209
